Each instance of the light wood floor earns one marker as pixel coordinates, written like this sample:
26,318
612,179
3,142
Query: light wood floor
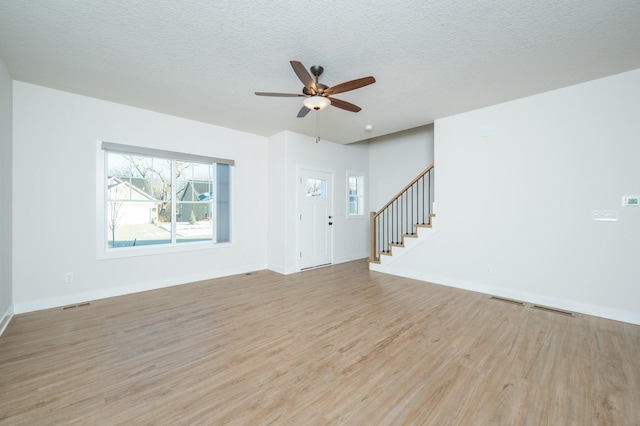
337,345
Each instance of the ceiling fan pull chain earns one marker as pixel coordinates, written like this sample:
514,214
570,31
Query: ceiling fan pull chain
317,137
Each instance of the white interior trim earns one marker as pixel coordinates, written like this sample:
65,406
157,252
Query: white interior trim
82,297
102,252
533,298
154,152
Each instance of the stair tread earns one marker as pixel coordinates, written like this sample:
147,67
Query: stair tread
402,245
394,221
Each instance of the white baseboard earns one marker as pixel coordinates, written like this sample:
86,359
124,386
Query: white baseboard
71,299
6,319
534,298
350,258
280,269
277,268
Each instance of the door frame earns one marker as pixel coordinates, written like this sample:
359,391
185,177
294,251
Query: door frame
331,198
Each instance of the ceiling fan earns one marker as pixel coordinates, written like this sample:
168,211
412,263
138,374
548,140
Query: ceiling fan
317,95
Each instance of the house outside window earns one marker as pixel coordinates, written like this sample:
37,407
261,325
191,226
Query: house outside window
157,198
355,194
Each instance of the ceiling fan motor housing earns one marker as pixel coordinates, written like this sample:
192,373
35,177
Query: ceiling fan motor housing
320,88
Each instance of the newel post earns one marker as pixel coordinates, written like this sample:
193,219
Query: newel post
372,237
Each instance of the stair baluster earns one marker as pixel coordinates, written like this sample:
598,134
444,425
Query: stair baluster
400,217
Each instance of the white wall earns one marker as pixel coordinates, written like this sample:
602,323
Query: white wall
277,231
54,191
6,96
516,185
395,159
350,236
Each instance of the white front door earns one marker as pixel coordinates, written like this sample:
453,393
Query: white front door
315,219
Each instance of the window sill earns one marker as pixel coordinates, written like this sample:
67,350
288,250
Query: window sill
128,252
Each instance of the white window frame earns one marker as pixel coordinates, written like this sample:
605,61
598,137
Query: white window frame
360,194
102,250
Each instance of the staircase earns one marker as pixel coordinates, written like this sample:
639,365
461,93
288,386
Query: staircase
404,220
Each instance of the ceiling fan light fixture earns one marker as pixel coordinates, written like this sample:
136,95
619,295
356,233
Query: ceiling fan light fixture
317,102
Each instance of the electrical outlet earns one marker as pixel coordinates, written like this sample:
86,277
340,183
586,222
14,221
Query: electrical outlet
489,270
68,277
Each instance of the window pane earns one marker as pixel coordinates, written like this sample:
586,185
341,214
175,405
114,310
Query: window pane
194,222
316,187
202,172
353,206
355,195
133,211
133,223
353,185
195,197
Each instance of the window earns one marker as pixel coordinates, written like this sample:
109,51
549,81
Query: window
161,198
355,194
316,188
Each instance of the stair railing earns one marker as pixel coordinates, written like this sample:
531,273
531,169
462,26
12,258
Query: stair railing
401,216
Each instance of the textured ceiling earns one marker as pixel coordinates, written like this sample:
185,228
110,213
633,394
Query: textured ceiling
204,60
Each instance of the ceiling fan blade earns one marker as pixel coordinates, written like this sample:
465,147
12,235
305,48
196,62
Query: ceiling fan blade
304,76
344,105
350,85
280,95
303,112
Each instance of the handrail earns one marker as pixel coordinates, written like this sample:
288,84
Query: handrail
400,217
403,190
